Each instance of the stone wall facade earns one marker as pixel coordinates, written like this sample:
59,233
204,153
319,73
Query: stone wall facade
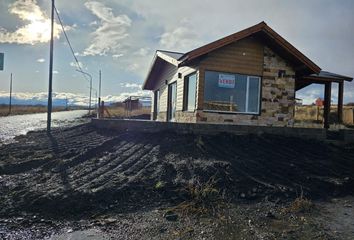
181,116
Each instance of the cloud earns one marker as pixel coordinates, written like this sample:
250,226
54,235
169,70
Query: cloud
142,52
74,64
133,67
130,85
37,27
59,98
41,60
112,30
122,96
179,39
117,55
311,93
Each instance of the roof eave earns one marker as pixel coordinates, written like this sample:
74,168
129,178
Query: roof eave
164,57
167,58
149,73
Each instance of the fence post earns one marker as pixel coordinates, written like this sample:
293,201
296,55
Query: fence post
102,109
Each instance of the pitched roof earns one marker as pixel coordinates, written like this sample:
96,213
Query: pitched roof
161,58
264,31
174,55
260,30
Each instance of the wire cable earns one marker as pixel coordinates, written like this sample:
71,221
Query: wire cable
69,43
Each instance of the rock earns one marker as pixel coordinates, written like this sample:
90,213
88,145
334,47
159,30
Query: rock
110,220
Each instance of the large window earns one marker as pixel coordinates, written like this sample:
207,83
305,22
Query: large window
190,89
228,92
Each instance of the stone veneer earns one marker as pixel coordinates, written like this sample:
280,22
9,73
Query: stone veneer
181,116
278,98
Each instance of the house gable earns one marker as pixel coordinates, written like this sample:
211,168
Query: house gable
244,57
272,39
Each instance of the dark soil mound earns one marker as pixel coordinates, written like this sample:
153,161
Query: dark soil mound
82,169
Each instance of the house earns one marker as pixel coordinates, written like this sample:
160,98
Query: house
249,77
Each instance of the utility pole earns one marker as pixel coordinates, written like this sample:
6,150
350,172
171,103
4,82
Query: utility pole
10,103
99,85
90,95
49,112
99,95
90,87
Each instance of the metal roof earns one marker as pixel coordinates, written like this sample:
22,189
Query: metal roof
174,55
329,75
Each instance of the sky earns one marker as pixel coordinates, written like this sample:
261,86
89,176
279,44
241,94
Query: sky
120,38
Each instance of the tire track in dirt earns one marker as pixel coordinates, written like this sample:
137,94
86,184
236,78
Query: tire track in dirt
133,154
81,168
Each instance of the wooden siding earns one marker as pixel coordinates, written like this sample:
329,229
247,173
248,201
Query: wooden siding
244,57
166,73
169,73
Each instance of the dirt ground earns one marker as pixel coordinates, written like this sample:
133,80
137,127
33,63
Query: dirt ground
112,185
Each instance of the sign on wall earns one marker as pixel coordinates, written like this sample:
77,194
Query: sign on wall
226,81
1,61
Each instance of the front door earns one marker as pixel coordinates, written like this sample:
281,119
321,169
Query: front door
172,101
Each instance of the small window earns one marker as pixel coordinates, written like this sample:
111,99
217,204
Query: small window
190,89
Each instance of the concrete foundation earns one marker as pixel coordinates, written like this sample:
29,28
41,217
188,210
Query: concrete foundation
206,128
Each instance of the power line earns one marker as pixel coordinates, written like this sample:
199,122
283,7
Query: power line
69,43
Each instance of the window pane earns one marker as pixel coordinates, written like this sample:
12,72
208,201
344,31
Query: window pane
229,92
192,84
157,103
253,95
225,92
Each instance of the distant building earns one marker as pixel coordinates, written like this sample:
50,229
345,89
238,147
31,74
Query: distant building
132,104
319,102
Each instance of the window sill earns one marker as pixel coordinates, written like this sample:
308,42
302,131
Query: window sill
231,113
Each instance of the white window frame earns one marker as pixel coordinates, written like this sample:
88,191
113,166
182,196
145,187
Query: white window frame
186,92
247,96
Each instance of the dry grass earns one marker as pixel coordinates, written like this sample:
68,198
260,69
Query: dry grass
299,205
120,112
23,109
314,114
203,198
